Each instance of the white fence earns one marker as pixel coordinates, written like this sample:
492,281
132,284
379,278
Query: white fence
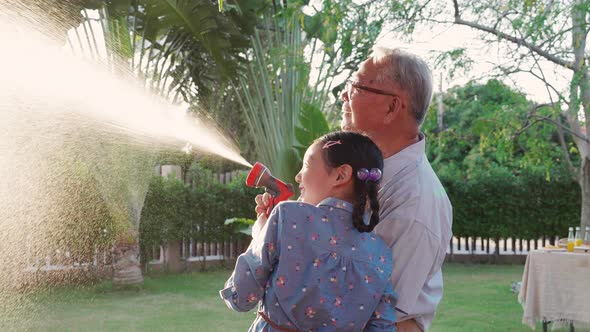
487,246
61,260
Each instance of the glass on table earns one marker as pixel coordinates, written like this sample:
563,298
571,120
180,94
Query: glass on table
571,240
578,238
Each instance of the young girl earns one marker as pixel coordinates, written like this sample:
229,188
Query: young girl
315,265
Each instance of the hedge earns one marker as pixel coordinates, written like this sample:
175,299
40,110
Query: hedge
495,204
176,211
499,204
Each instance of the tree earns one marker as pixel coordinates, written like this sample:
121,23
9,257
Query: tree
504,182
181,48
536,33
277,92
483,131
191,51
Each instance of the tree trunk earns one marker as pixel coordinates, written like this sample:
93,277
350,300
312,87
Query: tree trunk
580,80
585,186
441,109
126,265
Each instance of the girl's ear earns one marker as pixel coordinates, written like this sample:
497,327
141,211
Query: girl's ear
343,174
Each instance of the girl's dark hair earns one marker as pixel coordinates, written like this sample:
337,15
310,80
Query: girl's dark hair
358,151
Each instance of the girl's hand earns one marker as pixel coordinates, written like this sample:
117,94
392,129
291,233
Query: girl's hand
263,205
263,209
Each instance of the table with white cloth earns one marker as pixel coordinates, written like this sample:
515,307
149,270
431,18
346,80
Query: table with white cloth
556,289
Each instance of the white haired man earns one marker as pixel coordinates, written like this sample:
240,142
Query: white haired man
387,98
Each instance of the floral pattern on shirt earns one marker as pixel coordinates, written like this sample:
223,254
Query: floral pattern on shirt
313,284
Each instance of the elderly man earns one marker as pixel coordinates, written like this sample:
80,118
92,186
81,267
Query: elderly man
387,98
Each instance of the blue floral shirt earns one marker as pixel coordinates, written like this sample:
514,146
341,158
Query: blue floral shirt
311,270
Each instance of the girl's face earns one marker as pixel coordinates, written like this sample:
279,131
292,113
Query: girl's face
314,179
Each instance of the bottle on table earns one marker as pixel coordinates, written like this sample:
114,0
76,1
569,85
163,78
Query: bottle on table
578,237
587,236
571,240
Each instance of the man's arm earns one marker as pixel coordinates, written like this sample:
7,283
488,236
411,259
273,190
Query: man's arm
408,325
417,257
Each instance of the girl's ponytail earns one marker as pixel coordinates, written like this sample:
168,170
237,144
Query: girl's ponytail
366,160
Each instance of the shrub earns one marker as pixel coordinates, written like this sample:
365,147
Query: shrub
499,204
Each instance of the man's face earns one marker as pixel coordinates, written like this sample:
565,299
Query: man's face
366,110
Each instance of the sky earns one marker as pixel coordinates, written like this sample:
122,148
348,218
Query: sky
427,44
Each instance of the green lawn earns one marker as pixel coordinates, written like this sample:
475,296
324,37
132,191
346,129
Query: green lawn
477,298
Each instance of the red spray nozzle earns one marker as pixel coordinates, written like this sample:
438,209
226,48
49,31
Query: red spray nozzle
260,177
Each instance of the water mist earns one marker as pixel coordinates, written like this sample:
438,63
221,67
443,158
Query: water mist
77,146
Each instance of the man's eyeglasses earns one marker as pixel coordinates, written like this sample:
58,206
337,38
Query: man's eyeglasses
351,84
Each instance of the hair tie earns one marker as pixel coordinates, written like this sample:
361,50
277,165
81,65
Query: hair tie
364,174
330,143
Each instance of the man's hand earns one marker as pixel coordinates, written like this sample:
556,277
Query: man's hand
409,325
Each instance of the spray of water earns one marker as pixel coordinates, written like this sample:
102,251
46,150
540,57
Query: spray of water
47,76
77,147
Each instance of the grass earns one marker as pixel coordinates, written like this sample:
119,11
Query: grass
183,302
477,298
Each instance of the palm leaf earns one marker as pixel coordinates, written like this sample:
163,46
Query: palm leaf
270,94
312,124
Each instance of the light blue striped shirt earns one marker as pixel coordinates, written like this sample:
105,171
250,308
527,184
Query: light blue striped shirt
416,218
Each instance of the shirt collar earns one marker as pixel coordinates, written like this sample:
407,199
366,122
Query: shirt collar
337,203
407,159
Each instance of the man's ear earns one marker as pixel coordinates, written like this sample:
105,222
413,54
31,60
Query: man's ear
396,106
343,174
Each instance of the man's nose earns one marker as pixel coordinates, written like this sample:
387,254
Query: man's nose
344,95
